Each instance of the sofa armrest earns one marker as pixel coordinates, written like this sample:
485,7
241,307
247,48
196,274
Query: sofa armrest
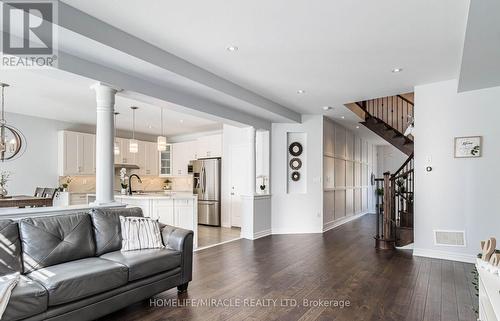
180,240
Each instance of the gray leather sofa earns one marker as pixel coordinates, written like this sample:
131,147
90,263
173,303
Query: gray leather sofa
72,268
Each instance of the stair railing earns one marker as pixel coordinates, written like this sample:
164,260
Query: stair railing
403,187
394,199
396,111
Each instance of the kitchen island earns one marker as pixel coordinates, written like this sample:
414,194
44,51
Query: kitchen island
177,208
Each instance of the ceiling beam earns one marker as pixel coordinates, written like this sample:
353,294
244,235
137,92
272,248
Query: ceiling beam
481,54
193,104
88,26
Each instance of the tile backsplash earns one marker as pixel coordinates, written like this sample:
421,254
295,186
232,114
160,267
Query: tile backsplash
86,184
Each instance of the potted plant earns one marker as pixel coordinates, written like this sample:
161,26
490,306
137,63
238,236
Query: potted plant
123,181
4,178
66,183
167,185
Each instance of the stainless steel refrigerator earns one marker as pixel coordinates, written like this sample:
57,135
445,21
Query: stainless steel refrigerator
206,184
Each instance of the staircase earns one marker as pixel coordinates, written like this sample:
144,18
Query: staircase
390,117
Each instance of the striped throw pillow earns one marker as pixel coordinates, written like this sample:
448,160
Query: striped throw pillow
139,233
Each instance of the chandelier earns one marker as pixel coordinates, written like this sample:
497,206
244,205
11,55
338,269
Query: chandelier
11,139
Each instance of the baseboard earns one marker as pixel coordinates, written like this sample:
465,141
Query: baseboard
260,234
333,224
286,231
445,255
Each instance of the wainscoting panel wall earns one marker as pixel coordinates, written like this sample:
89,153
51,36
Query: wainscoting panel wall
347,167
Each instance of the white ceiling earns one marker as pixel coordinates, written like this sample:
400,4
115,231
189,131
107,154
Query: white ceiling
55,94
337,51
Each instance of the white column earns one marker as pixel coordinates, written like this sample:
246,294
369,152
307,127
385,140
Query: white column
105,136
253,179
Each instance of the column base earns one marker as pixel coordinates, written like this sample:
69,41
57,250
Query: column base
106,204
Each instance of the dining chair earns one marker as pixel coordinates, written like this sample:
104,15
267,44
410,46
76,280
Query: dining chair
49,193
39,192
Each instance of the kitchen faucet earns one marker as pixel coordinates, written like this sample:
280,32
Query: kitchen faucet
130,182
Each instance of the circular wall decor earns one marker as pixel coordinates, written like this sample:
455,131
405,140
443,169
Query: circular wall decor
295,163
295,149
295,176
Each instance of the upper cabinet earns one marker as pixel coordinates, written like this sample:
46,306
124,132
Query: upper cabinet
147,159
125,156
165,161
76,153
209,146
183,153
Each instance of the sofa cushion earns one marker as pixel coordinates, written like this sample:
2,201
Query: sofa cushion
50,240
144,263
75,280
28,298
10,248
107,230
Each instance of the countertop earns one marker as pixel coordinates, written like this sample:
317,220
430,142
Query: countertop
161,195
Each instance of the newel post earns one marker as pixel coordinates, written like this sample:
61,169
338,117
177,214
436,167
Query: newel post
387,232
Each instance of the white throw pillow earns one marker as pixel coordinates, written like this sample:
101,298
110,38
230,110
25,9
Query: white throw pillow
7,284
139,233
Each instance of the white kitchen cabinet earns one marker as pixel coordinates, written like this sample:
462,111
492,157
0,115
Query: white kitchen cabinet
77,198
140,158
151,162
182,154
125,156
76,153
209,146
165,162
183,215
174,211
164,211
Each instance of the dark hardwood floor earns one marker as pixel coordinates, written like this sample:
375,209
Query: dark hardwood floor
340,264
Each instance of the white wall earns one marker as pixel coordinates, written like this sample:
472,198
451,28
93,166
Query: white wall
389,159
459,194
348,162
38,165
297,213
233,136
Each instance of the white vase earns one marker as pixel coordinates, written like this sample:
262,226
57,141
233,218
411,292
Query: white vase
124,191
3,191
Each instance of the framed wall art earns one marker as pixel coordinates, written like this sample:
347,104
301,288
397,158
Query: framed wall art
467,147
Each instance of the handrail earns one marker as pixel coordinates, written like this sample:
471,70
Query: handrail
403,166
402,174
407,100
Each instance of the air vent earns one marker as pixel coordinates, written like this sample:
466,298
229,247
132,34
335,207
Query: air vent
449,238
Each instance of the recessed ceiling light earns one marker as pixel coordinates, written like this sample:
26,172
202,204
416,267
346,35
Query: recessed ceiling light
301,91
327,107
232,48
396,70
181,121
357,127
342,117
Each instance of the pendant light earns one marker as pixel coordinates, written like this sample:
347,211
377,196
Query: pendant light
133,146
11,139
117,145
162,140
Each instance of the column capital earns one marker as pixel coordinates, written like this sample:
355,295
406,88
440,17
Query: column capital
105,94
